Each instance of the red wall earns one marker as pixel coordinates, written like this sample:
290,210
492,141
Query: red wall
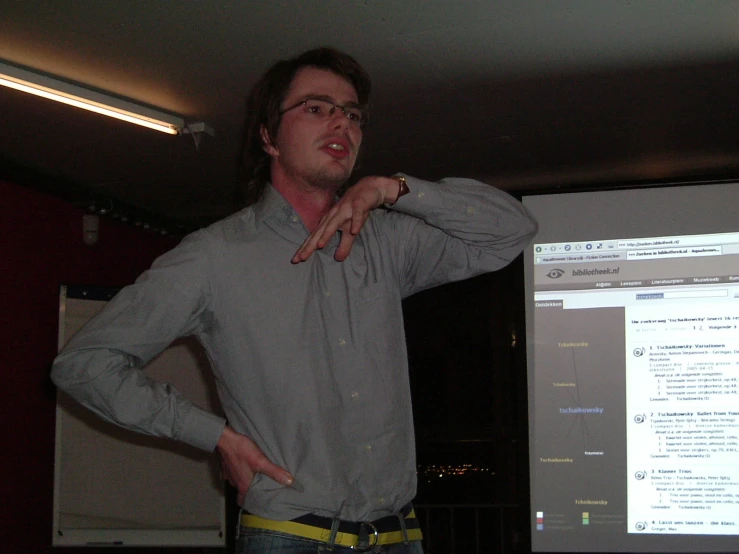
40,248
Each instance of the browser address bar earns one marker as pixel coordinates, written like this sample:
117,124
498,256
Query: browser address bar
682,242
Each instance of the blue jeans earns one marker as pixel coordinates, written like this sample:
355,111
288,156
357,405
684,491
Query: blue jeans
271,542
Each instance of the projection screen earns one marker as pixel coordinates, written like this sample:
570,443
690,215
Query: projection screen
632,316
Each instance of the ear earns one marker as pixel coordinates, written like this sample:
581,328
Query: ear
267,145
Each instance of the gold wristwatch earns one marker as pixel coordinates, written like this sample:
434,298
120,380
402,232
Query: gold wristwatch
402,186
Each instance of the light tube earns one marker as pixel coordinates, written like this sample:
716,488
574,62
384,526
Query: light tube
73,95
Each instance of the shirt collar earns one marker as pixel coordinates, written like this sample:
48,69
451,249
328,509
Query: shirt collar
270,202
272,205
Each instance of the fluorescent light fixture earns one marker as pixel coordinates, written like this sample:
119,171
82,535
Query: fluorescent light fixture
80,97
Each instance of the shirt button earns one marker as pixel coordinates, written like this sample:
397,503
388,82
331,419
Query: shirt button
368,448
294,218
470,209
381,500
355,395
342,342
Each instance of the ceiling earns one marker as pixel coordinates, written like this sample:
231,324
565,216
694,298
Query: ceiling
524,94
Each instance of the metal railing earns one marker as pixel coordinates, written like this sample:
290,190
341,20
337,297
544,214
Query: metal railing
468,528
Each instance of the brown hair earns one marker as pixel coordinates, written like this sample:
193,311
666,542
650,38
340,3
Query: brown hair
265,100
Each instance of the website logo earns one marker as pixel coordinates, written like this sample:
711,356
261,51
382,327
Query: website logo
599,271
555,273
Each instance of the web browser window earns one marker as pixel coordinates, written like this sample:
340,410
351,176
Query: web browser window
636,390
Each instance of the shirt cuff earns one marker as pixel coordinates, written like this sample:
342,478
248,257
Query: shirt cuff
423,194
202,429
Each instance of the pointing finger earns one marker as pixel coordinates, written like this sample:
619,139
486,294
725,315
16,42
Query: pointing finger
345,246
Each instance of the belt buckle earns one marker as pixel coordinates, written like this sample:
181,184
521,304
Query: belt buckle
376,534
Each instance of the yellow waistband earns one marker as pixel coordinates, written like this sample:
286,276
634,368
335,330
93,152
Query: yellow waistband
323,535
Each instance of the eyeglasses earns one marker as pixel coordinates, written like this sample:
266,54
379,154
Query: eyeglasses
323,109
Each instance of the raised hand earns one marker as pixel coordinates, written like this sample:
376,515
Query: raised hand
349,215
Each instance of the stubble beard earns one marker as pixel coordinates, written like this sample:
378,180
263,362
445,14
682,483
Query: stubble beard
327,178
318,176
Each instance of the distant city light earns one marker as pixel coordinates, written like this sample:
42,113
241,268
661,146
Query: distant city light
441,470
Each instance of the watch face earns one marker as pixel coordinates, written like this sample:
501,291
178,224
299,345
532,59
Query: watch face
403,186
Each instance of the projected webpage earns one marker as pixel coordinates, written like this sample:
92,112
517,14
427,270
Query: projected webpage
636,392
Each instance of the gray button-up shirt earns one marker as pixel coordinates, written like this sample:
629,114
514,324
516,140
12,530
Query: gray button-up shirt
310,358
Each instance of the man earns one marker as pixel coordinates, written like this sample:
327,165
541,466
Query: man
297,302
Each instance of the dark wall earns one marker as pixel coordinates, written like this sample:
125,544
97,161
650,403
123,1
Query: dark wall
41,247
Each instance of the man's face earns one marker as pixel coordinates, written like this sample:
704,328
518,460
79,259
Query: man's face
312,149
